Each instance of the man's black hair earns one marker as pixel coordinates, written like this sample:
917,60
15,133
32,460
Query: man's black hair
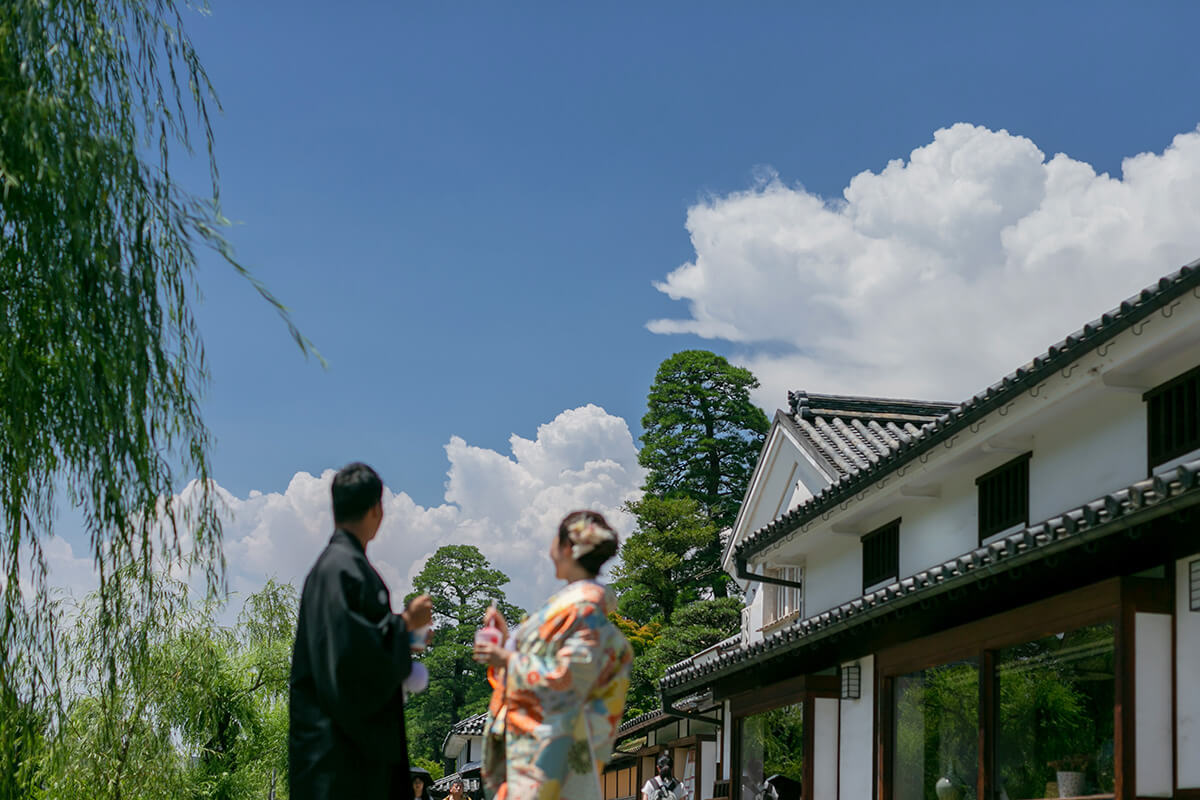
356,489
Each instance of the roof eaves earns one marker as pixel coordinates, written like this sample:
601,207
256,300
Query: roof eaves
641,721
1057,356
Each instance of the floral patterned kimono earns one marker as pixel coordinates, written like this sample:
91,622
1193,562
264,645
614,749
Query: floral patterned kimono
556,708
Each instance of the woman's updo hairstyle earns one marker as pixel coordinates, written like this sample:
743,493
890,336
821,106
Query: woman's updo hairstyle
592,539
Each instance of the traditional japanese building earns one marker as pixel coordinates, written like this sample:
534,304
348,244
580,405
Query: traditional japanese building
462,750
998,598
691,741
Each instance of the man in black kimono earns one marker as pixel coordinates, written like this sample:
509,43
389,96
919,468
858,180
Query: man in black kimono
351,656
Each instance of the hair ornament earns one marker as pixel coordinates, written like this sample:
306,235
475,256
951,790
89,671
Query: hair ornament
585,535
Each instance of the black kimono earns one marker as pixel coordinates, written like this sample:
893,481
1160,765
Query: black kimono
346,738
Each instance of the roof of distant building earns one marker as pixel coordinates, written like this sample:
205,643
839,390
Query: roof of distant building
471,726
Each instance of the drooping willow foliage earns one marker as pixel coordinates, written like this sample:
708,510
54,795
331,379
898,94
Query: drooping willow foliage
101,363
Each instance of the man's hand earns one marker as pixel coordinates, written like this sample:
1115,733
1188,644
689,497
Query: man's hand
418,613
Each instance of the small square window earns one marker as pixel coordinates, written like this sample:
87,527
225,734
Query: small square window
1173,418
881,555
1004,497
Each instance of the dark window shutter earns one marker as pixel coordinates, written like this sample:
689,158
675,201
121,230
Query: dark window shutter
1004,497
1173,418
881,554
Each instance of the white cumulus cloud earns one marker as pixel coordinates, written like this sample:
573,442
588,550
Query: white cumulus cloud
937,275
508,505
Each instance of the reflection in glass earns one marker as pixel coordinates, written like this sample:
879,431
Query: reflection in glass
772,746
1055,715
936,733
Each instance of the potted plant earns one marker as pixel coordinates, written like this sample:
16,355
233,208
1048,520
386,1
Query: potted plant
1068,771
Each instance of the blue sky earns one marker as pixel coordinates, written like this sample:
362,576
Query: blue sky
468,206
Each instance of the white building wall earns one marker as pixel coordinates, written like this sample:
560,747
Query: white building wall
825,748
1152,703
708,770
935,531
1081,455
727,769
832,575
755,603
1187,681
856,731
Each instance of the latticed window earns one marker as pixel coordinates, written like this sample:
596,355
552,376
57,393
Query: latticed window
1004,497
1173,418
881,555
783,600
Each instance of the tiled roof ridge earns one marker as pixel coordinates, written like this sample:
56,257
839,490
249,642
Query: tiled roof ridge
805,405
467,724
1074,346
470,726
1143,500
641,719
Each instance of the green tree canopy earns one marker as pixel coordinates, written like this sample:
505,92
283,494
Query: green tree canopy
694,627
662,561
702,433
462,584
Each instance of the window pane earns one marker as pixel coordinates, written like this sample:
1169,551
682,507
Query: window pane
1056,698
773,749
935,733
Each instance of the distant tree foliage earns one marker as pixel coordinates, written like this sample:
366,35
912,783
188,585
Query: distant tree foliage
702,433
190,708
701,442
663,562
103,364
462,584
694,627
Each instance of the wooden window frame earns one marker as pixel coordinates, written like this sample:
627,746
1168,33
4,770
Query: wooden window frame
890,529
984,482
1114,601
1178,449
802,690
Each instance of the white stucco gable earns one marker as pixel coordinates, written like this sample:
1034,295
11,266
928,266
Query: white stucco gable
785,476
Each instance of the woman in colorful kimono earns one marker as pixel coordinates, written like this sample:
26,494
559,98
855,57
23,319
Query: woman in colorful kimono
559,681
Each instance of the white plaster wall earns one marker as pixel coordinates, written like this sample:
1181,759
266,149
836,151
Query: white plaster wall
708,770
1152,693
935,531
1187,681
825,749
726,736
832,574
775,490
857,734
755,608
788,477
1094,449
